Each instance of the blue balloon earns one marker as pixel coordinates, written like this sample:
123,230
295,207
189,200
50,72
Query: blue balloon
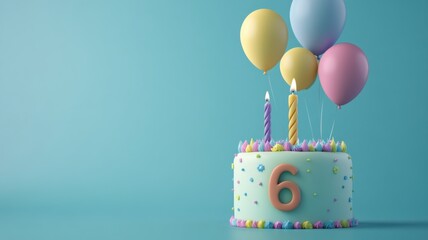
317,24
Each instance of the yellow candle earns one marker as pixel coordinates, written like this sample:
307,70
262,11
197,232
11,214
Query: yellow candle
292,114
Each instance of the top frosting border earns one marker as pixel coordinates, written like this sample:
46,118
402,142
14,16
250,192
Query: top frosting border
284,145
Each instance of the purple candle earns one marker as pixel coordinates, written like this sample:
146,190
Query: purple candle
267,117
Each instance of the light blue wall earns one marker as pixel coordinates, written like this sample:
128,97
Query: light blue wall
137,107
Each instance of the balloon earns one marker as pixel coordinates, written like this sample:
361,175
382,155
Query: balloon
317,24
343,72
264,38
300,64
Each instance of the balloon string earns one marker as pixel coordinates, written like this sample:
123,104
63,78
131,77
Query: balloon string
322,108
271,89
309,119
332,126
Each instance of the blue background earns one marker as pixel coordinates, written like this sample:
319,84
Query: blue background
119,119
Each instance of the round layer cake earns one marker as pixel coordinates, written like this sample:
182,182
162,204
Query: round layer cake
292,189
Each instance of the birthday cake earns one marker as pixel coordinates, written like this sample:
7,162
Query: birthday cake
281,186
289,184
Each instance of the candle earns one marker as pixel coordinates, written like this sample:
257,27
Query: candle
292,114
267,117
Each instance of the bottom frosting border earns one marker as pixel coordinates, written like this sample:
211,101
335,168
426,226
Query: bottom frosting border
261,224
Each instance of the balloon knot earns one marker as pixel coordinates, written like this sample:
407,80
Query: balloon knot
339,107
264,72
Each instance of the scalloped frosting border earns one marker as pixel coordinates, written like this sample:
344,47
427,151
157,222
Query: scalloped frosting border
261,224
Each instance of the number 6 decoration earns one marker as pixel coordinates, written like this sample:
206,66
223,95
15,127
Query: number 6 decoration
275,188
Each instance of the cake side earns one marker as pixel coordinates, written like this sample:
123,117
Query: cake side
323,181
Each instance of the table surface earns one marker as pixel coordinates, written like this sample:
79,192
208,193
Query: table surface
87,226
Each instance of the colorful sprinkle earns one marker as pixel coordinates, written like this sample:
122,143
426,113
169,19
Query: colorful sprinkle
243,169
256,202
232,166
308,159
261,168
238,182
315,194
251,179
240,160
308,170
238,197
345,178
335,169
245,194
260,184
349,199
258,156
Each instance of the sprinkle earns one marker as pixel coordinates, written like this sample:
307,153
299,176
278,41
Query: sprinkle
232,166
240,160
239,210
345,178
308,170
350,209
243,169
308,159
260,184
349,199
335,160
251,179
256,202
343,186
258,156
238,182
261,168
335,169
315,194
245,194
232,208
238,197
328,210
334,199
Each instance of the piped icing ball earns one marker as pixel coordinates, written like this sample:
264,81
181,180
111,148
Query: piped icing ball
268,147
329,224
337,224
287,225
277,148
248,224
297,225
232,221
288,146
261,224
318,147
268,224
244,146
254,224
277,225
305,146
256,146
318,225
307,225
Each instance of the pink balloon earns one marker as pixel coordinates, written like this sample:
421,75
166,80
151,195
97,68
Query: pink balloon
343,72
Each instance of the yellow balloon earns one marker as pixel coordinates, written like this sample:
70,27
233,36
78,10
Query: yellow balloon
300,64
264,37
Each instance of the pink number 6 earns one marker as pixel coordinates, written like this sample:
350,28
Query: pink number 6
275,188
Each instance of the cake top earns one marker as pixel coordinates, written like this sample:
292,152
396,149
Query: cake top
284,145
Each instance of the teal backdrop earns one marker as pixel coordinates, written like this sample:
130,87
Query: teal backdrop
120,119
